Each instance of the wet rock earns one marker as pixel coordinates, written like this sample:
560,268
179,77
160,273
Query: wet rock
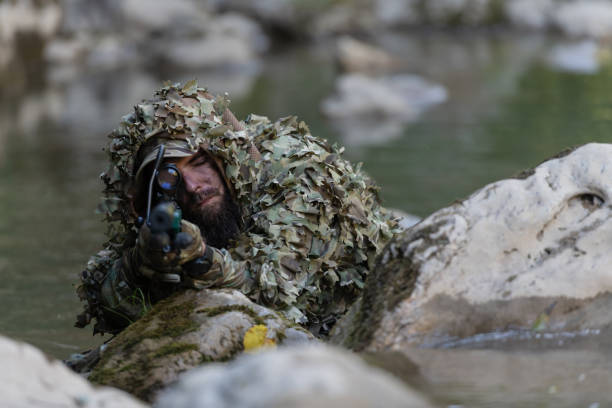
592,18
531,253
357,56
287,16
368,110
31,379
293,377
231,40
581,57
458,11
91,16
68,50
184,33
534,14
183,332
157,15
399,96
25,18
397,12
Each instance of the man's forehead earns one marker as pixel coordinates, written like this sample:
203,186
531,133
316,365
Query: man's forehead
187,159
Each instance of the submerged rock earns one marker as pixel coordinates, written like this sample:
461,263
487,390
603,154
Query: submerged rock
397,96
184,331
530,253
356,56
296,377
580,58
373,110
31,379
25,18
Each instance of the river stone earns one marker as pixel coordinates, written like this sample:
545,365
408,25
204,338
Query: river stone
592,18
533,14
531,253
31,379
188,329
295,377
576,57
357,56
108,34
401,96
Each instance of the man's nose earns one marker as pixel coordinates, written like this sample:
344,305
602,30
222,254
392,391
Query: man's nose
190,184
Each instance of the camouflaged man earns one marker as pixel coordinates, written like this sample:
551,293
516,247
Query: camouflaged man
269,210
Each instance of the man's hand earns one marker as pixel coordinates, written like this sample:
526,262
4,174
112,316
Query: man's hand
160,260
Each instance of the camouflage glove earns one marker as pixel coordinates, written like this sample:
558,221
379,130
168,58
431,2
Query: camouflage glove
159,260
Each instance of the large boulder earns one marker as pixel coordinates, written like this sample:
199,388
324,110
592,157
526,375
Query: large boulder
184,331
530,254
296,377
30,379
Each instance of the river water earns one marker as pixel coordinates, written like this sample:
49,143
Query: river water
508,110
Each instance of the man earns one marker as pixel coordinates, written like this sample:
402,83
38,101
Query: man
268,209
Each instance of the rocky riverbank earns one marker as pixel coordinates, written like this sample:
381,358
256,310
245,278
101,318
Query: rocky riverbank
109,34
521,261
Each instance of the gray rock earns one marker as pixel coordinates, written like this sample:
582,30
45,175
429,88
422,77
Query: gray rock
231,40
591,18
285,15
465,11
183,33
297,377
533,14
397,12
184,331
368,110
30,379
159,15
530,254
91,16
357,56
399,96
581,57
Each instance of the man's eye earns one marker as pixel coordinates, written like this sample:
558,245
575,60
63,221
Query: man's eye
200,161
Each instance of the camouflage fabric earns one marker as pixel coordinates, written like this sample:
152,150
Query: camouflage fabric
312,221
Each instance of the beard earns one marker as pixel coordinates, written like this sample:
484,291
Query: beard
218,226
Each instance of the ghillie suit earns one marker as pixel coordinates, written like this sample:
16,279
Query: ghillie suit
311,222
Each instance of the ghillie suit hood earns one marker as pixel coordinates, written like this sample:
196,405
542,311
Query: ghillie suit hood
312,222
185,119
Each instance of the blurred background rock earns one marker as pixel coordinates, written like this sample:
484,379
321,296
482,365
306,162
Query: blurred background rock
436,97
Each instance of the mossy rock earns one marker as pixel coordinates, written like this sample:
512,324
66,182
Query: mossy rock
184,331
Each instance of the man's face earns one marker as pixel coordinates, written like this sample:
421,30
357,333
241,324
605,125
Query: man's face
205,200
203,189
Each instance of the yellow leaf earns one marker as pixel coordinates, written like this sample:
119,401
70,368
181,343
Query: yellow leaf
255,338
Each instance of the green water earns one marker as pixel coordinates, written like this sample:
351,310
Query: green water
53,133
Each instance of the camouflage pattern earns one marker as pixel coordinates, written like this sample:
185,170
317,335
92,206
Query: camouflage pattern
312,222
